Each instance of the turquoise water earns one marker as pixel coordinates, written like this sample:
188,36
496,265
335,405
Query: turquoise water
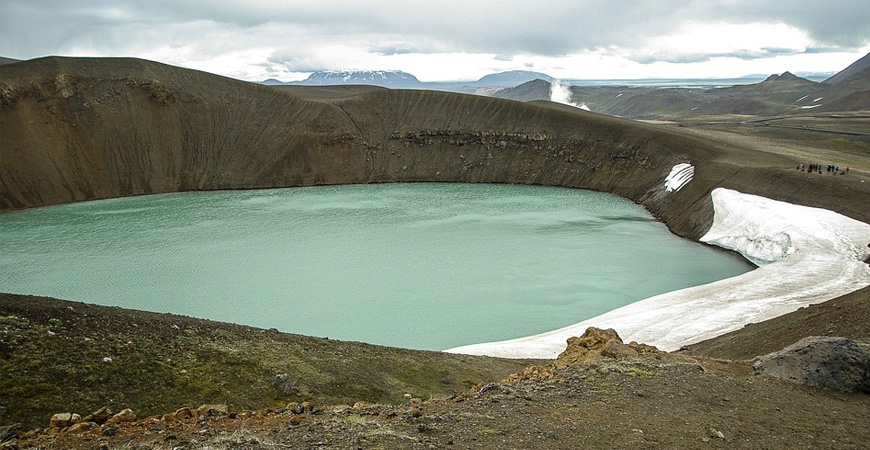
428,266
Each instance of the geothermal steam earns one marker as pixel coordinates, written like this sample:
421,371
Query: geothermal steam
561,93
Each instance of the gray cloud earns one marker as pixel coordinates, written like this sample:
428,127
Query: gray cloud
31,28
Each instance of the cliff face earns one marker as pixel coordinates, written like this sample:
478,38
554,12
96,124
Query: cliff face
80,129
133,127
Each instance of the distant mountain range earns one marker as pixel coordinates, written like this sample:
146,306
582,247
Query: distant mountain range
848,90
386,78
512,78
397,79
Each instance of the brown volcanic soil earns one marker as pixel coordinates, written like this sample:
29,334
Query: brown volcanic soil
51,358
655,400
80,129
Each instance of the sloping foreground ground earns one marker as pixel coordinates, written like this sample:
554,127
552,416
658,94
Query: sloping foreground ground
607,395
845,316
60,356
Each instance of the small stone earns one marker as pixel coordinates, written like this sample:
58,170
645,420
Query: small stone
63,420
307,406
285,385
714,433
9,432
99,416
126,415
180,415
551,435
79,427
296,408
110,431
213,410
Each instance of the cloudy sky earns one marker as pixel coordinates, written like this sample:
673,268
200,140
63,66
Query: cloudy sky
439,40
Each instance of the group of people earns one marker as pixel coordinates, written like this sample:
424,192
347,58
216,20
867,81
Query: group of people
830,169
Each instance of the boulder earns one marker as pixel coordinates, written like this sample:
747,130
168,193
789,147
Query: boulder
594,345
835,363
63,420
125,415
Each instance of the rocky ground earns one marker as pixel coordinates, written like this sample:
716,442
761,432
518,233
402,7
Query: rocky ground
598,394
61,356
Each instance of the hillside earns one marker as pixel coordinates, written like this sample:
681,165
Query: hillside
121,127
159,362
777,95
600,393
512,78
850,71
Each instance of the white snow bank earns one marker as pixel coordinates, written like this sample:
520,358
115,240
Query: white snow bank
806,255
680,175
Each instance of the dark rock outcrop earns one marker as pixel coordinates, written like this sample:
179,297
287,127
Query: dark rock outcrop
829,362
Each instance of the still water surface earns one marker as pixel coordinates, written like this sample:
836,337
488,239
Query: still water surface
428,266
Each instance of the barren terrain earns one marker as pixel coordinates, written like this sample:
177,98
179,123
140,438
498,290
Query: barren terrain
82,129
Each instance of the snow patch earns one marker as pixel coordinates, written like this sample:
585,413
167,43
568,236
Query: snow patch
805,256
817,99
811,106
805,96
680,175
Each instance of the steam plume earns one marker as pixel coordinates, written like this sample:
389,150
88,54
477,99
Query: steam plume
561,93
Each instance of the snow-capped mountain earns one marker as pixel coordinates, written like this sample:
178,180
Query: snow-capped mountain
386,78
